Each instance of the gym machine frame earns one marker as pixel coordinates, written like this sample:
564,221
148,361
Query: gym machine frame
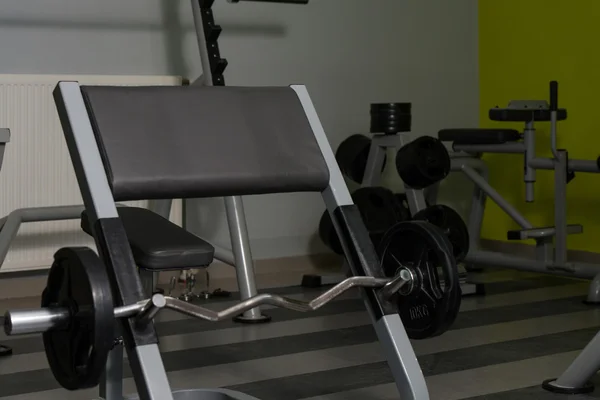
551,255
576,379
135,313
4,139
240,254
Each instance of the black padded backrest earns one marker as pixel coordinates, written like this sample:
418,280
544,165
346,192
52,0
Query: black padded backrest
192,141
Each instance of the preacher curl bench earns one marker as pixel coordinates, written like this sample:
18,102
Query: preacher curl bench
131,143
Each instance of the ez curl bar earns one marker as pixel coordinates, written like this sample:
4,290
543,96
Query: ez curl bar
41,320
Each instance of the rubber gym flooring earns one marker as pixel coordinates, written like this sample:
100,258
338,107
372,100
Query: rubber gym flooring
502,346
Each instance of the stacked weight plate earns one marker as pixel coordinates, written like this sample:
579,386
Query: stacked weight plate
391,118
379,207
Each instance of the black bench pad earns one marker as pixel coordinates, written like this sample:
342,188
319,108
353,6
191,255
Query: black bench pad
479,136
157,243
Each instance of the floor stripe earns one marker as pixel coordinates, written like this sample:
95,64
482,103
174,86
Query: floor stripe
239,334
207,347
451,340
445,355
29,351
476,317
444,363
528,292
218,304
535,392
502,332
33,343
497,378
30,343
529,296
520,311
482,382
235,373
521,284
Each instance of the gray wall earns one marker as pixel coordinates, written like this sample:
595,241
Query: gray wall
349,53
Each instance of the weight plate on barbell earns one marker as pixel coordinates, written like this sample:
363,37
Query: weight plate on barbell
452,224
431,305
77,353
423,162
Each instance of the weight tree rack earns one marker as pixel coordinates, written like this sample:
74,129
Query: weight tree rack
390,127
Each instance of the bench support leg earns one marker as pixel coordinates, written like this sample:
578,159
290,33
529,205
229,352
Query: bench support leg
147,278
244,265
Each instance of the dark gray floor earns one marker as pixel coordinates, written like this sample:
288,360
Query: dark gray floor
501,347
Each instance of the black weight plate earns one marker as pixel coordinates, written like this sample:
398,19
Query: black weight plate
432,305
452,224
77,354
328,234
455,298
378,210
391,118
423,162
397,107
352,156
391,126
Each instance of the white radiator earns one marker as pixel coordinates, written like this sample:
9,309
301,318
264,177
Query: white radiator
37,169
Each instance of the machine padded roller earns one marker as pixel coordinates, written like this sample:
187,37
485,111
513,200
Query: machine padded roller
479,136
525,115
352,155
157,243
423,162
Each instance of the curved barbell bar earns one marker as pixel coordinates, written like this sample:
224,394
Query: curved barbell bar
44,319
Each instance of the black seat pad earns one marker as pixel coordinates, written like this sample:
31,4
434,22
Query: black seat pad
479,136
524,115
157,243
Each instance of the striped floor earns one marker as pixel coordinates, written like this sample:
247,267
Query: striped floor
502,346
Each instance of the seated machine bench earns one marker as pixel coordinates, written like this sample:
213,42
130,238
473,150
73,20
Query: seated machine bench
525,111
479,136
541,232
158,244
517,111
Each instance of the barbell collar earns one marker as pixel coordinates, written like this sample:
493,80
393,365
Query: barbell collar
22,322
150,309
394,286
40,320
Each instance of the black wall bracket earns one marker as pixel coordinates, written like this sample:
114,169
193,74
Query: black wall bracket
211,35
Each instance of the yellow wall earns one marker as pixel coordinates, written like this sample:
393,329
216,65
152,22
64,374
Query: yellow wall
523,44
